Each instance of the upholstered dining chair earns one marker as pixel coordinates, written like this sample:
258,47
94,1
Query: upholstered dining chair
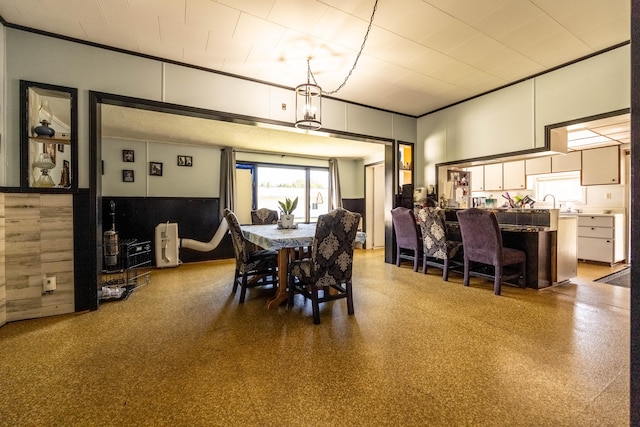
408,244
253,267
329,269
436,242
482,242
264,216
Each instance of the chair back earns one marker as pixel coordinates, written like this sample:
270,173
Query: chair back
404,224
481,236
332,250
264,216
434,232
239,242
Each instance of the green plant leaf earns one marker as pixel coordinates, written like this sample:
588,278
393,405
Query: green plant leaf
287,207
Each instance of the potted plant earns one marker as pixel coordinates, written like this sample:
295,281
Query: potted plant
286,212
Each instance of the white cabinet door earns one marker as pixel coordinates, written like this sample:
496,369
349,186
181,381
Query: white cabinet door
601,237
601,166
493,177
596,249
538,165
477,178
572,161
513,177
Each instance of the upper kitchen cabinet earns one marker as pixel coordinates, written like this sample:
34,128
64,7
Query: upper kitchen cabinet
493,177
405,163
48,133
572,161
538,165
601,166
477,172
513,176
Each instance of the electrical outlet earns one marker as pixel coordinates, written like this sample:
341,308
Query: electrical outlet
49,284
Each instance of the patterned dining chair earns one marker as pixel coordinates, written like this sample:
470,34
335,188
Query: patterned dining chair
436,242
264,216
482,242
253,267
408,244
329,269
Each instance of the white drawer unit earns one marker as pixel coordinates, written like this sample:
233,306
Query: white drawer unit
601,237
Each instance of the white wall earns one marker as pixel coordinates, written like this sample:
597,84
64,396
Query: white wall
202,179
90,68
514,118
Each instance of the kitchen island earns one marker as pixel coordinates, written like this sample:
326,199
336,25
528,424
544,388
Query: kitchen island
537,233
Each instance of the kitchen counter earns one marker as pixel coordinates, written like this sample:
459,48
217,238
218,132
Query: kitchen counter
547,236
537,242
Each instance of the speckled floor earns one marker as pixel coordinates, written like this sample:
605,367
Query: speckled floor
418,351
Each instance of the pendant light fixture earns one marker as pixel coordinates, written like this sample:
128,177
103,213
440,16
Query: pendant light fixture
309,94
308,104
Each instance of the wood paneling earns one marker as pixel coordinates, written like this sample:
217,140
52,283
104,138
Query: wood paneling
38,242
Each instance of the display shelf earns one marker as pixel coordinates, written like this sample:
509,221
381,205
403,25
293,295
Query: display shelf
460,182
405,164
46,140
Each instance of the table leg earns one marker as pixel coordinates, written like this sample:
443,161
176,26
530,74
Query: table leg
283,266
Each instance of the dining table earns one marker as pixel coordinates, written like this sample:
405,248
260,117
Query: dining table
285,241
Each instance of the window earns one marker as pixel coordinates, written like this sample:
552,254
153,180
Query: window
565,187
319,197
309,185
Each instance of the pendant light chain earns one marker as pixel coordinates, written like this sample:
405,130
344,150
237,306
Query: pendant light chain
366,36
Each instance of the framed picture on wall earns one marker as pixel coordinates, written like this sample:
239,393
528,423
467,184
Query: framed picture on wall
61,148
155,168
128,156
185,161
127,175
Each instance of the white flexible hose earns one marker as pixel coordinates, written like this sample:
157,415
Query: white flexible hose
207,246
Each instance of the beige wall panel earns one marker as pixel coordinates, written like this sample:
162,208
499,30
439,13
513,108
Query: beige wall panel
594,86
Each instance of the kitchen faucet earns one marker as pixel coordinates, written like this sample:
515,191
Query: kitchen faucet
544,199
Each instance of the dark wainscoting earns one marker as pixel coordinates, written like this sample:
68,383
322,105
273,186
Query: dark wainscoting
197,218
355,205
84,276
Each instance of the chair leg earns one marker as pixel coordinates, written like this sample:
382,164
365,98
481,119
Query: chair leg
465,280
497,280
315,305
523,275
398,256
416,260
292,289
349,298
445,270
424,265
243,288
236,276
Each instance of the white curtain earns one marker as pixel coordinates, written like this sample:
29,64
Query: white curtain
227,180
335,198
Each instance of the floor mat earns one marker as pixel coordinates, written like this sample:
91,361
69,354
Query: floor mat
619,278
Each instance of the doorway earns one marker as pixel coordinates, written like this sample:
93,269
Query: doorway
375,196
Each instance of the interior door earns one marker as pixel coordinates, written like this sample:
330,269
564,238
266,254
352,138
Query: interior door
375,195
244,195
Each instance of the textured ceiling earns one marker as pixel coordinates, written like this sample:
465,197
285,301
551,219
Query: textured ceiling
421,55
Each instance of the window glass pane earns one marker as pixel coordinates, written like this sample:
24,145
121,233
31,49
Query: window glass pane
565,187
319,197
275,184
